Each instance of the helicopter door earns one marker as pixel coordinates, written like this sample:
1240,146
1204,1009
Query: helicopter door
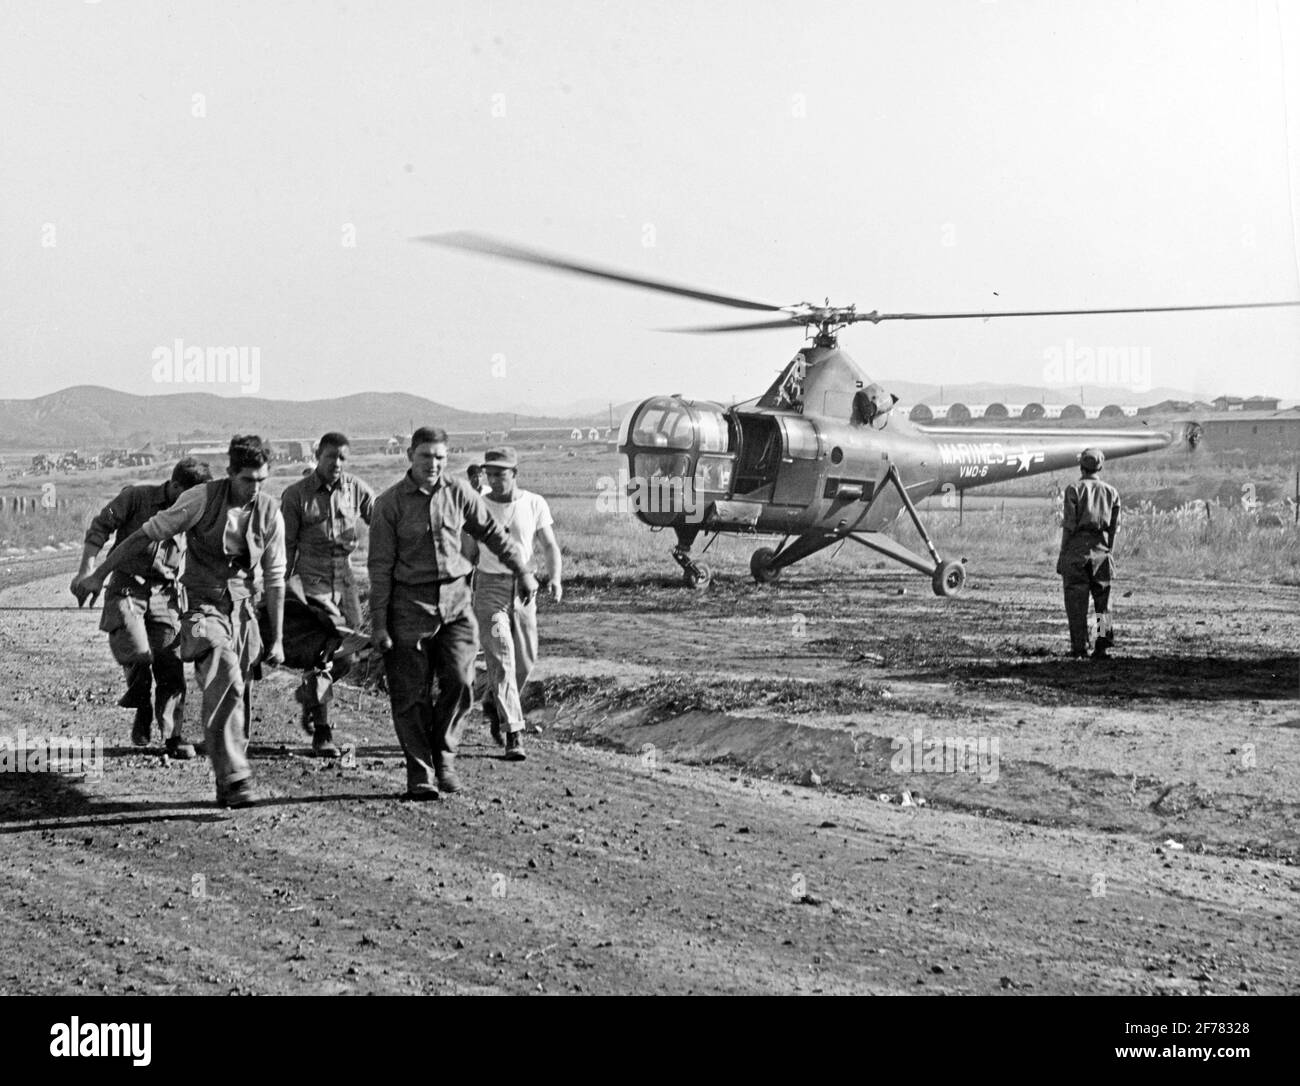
760,457
797,480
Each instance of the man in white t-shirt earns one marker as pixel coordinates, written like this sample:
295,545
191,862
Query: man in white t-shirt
508,627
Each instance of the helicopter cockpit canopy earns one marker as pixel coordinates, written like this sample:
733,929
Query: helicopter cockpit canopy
669,422
668,442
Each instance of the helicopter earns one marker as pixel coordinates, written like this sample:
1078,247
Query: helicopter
819,458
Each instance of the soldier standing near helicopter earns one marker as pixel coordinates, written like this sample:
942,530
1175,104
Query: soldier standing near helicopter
1088,527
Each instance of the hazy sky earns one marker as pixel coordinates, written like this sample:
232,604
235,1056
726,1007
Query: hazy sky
249,174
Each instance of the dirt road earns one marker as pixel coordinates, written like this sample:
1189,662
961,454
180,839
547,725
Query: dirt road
658,839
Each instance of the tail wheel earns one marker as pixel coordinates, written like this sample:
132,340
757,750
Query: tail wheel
699,576
949,579
760,565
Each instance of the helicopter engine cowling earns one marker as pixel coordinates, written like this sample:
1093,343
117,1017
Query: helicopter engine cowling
678,458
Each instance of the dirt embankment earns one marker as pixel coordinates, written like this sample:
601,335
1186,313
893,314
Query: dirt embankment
658,838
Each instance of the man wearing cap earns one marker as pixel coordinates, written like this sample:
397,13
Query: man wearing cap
421,613
507,626
1088,527
143,605
321,516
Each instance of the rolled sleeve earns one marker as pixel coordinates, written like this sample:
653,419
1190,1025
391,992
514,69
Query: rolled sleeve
273,555
178,518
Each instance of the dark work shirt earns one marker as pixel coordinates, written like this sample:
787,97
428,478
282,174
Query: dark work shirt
123,516
320,528
1090,505
415,538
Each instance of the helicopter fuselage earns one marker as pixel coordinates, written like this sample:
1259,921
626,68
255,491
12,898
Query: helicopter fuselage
819,457
811,457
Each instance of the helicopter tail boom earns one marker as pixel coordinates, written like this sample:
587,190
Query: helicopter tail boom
978,456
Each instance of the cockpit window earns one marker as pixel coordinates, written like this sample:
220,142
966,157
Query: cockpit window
713,432
661,465
665,424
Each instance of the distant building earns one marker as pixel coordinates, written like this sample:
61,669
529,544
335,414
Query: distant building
1250,403
216,456
362,446
1175,407
1260,432
557,434
1010,413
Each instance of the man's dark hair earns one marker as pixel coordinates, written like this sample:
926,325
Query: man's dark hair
428,435
248,451
191,472
333,438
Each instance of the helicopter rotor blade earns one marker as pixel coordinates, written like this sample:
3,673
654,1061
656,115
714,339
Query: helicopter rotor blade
488,246
876,318
755,326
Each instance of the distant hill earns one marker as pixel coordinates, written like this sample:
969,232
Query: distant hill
89,416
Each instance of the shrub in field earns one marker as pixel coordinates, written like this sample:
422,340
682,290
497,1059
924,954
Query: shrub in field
45,527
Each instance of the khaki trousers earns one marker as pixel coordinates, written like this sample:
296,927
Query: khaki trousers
508,629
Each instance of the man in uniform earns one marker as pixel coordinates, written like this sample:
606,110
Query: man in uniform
321,512
233,532
142,607
421,615
508,626
468,544
1091,519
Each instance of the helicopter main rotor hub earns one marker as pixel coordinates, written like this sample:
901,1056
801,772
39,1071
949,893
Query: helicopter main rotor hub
827,319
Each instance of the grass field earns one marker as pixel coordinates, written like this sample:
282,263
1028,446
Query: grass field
601,543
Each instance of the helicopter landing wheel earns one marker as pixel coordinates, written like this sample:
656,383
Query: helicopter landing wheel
698,576
949,579
760,565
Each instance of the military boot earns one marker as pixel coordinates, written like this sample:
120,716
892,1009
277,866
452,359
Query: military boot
515,747
142,728
322,740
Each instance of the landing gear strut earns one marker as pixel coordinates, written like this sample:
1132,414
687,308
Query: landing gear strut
946,578
694,574
765,564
